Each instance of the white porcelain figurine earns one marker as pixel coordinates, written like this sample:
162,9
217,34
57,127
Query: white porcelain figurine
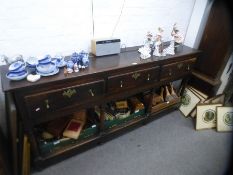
158,43
178,37
145,50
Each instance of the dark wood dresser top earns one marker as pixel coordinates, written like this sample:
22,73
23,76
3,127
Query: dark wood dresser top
98,65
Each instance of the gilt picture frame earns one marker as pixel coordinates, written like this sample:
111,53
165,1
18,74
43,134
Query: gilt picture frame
188,102
202,98
216,100
206,116
224,119
202,94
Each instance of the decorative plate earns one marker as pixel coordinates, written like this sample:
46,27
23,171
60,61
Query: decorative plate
56,70
16,74
16,78
46,68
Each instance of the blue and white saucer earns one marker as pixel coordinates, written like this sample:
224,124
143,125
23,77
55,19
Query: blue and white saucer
16,74
46,68
55,71
16,77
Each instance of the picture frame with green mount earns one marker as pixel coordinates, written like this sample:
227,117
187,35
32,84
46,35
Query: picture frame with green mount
206,116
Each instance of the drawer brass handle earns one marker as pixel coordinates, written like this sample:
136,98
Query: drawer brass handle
136,75
148,77
69,93
121,82
91,92
47,104
170,72
180,65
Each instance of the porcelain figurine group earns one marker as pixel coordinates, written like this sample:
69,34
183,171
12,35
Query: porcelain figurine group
154,44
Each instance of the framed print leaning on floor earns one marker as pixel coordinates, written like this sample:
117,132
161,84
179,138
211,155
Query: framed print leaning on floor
206,116
225,118
188,102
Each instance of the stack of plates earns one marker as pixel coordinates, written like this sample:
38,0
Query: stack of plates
46,67
17,71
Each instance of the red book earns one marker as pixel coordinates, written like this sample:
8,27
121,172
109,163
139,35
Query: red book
73,129
74,126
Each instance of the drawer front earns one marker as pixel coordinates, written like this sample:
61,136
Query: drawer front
47,102
176,69
132,80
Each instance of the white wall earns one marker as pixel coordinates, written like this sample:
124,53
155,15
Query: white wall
35,28
32,27
225,75
197,23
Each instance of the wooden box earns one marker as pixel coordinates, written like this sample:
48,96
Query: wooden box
164,105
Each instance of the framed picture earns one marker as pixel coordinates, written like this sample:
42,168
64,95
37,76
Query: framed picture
188,102
218,99
202,98
224,118
206,116
205,96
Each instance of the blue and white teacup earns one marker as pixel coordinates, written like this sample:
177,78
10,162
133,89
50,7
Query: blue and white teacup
70,64
45,60
15,66
59,60
15,59
32,61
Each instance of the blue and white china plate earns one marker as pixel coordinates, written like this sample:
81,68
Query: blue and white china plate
14,77
16,65
46,69
48,74
16,74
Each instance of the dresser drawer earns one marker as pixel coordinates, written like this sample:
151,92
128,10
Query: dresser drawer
132,80
49,101
176,69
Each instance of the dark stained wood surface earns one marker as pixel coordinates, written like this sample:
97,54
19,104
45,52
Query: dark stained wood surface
216,42
29,97
97,66
217,45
